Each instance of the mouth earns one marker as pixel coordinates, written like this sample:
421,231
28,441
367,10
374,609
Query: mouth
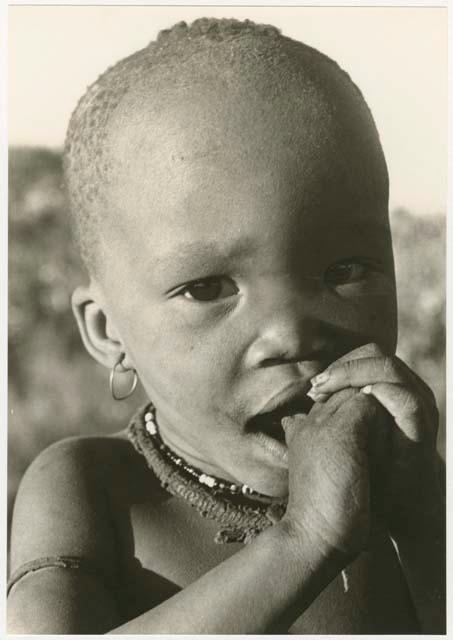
269,422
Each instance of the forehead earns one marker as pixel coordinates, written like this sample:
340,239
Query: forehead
190,159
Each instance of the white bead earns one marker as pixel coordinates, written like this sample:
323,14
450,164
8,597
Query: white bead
202,478
148,417
151,428
233,487
245,489
210,481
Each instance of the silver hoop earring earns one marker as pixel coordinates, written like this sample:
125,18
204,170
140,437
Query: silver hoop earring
115,370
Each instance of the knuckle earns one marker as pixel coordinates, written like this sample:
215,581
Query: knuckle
415,410
351,367
370,349
390,367
412,407
342,396
374,349
360,403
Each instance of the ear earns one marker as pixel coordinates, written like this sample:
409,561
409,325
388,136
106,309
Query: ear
98,334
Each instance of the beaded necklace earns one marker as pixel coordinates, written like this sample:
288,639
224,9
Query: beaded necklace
241,511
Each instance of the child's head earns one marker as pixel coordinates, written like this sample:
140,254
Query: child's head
230,196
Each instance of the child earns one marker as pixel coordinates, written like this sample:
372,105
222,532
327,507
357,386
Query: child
230,197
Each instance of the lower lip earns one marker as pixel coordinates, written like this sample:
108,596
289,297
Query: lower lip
278,450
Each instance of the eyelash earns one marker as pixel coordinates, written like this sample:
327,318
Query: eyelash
364,266
219,282
203,285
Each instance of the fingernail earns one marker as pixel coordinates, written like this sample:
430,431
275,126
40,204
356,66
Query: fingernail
366,389
317,396
320,379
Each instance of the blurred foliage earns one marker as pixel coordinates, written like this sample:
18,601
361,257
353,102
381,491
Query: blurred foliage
57,390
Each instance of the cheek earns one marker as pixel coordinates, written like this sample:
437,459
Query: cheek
376,319
367,312
175,358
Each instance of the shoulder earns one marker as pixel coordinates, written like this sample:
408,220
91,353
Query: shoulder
64,506
73,507
63,511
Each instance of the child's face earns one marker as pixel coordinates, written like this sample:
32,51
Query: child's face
252,250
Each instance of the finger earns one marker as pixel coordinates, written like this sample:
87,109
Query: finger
291,425
417,421
353,418
318,397
358,373
319,412
334,401
369,350
418,382
365,409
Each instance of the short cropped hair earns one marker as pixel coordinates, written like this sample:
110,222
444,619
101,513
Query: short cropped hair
86,157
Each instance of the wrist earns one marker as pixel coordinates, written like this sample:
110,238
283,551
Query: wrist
306,551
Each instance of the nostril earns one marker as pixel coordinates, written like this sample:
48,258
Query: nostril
285,339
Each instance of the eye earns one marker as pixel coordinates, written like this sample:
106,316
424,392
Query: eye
207,289
346,271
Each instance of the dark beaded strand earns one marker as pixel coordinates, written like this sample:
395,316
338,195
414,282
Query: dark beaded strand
208,480
242,512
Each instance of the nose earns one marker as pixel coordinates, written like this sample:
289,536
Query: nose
289,330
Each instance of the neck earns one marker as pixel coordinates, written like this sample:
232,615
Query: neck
184,449
242,512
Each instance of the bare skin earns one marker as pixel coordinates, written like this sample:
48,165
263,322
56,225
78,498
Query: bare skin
105,485
285,568
410,492
261,256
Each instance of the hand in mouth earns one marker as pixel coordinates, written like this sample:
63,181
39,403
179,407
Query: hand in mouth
269,421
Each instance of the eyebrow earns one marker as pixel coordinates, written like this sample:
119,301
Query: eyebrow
187,255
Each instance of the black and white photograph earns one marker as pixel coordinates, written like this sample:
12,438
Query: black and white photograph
226,304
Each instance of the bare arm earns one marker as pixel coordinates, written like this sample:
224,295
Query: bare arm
266,585
411,482
62,510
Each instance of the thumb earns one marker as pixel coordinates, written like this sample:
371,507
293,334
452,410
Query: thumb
291,425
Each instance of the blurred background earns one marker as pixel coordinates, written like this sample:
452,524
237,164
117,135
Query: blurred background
55,389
